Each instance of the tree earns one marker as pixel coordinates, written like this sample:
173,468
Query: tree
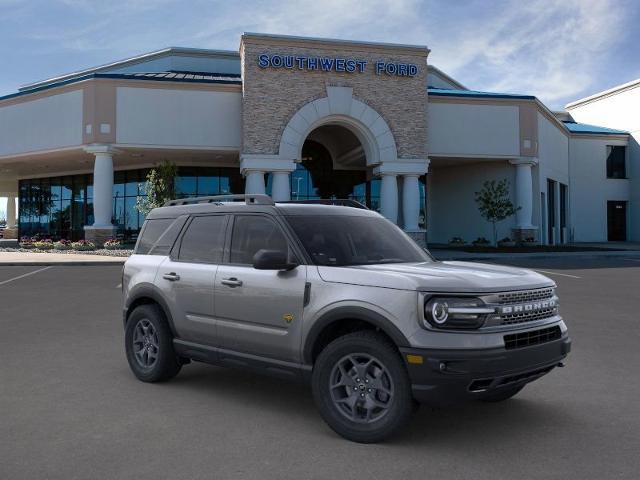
160,187
494,203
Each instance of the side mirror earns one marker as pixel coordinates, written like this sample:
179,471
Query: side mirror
272,260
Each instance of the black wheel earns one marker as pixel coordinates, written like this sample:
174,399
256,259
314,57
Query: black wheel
362,388
149,345
501,394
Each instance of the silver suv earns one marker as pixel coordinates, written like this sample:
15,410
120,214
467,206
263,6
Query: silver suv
336,296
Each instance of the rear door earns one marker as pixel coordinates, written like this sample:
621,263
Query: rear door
187,277
259,311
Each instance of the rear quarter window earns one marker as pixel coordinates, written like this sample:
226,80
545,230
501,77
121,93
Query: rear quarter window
158,235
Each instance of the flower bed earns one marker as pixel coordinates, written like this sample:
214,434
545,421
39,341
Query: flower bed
112,244
83,245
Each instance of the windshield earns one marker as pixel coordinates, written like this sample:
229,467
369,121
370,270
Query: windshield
340,240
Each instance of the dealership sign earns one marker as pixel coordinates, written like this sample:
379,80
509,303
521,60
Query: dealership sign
334,64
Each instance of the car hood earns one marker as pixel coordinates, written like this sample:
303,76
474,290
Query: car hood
437,277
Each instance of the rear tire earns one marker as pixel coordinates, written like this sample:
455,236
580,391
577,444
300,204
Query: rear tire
361,387
149,345
502,394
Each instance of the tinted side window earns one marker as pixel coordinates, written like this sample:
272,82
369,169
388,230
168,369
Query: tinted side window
152,231
168,238
203,241
252,233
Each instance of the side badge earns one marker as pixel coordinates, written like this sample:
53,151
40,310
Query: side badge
288,317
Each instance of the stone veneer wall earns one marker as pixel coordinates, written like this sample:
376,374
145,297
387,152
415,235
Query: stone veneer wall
271,96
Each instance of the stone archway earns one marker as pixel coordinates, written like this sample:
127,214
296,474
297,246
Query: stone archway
340,108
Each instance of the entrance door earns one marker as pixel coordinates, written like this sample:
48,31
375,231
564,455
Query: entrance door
259,311
617,221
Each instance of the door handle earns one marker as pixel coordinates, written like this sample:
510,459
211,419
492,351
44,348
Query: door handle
172,277
231,282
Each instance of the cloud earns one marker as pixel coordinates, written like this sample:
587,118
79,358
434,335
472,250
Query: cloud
552,49
556,49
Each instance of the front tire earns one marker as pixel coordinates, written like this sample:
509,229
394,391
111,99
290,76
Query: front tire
149,345
361,387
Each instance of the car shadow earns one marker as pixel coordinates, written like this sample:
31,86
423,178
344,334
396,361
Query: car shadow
473,425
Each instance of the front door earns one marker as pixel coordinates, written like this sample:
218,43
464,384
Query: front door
617,221
259,311
187,278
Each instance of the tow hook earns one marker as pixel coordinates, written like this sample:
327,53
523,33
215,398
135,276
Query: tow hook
560,364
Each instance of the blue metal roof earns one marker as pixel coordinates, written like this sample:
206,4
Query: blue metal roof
444,92
575,127
188,77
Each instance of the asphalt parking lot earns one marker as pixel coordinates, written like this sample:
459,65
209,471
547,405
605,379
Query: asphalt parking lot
70,408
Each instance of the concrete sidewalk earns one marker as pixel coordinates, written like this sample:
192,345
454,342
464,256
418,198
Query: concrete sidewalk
33,258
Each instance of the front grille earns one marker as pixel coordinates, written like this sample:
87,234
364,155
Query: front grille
524,296
534,337
528,316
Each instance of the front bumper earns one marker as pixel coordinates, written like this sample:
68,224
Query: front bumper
448,376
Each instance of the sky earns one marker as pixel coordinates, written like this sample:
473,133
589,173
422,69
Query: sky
558,50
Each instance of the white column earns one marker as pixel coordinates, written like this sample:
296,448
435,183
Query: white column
103,189
410,202
11,211
389,197
254,182
524,192
280,187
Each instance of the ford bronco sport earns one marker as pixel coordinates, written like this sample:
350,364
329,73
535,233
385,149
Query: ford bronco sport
337,296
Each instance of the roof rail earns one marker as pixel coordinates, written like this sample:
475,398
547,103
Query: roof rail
250,199
342,202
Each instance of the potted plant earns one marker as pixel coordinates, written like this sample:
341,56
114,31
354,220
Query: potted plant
506,242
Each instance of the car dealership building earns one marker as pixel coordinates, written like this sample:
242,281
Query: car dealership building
305,118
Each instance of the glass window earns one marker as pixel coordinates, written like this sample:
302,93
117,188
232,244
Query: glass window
616,162
151,232
252,233
341,240
203,241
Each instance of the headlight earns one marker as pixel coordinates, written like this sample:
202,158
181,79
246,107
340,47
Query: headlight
455,312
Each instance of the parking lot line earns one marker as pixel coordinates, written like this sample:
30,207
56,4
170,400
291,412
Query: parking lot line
25,275
556,273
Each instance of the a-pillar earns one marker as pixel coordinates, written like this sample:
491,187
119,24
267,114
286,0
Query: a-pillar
524,198
102,228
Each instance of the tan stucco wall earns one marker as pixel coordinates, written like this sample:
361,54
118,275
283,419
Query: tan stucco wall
272,96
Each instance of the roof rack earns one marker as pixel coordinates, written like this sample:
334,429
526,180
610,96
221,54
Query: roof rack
341,202
250,199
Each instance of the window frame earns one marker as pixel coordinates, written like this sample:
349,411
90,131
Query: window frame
292,240
608,150
174,254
